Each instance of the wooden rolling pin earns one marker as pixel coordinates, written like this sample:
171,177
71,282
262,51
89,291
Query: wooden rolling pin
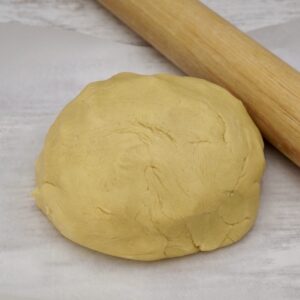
203,44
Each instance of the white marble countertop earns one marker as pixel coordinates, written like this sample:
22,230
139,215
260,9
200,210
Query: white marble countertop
87,16
35,261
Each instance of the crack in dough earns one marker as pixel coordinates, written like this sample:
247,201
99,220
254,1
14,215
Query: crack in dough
155,129
224,133
242,173
151,167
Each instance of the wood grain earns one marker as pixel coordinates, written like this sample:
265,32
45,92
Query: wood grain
204,45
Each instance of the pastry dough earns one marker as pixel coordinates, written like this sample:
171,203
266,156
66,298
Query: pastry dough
151,167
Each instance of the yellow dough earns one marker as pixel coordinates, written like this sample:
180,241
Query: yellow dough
151,167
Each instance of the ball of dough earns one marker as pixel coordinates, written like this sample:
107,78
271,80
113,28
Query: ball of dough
151,167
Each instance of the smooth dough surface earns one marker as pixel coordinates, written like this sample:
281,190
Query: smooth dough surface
151,167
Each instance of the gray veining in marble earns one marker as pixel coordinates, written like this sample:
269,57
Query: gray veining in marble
87,16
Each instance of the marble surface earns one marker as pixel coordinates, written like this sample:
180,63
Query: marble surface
41,70
87,16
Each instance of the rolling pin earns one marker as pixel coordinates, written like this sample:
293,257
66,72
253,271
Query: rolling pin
203,44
